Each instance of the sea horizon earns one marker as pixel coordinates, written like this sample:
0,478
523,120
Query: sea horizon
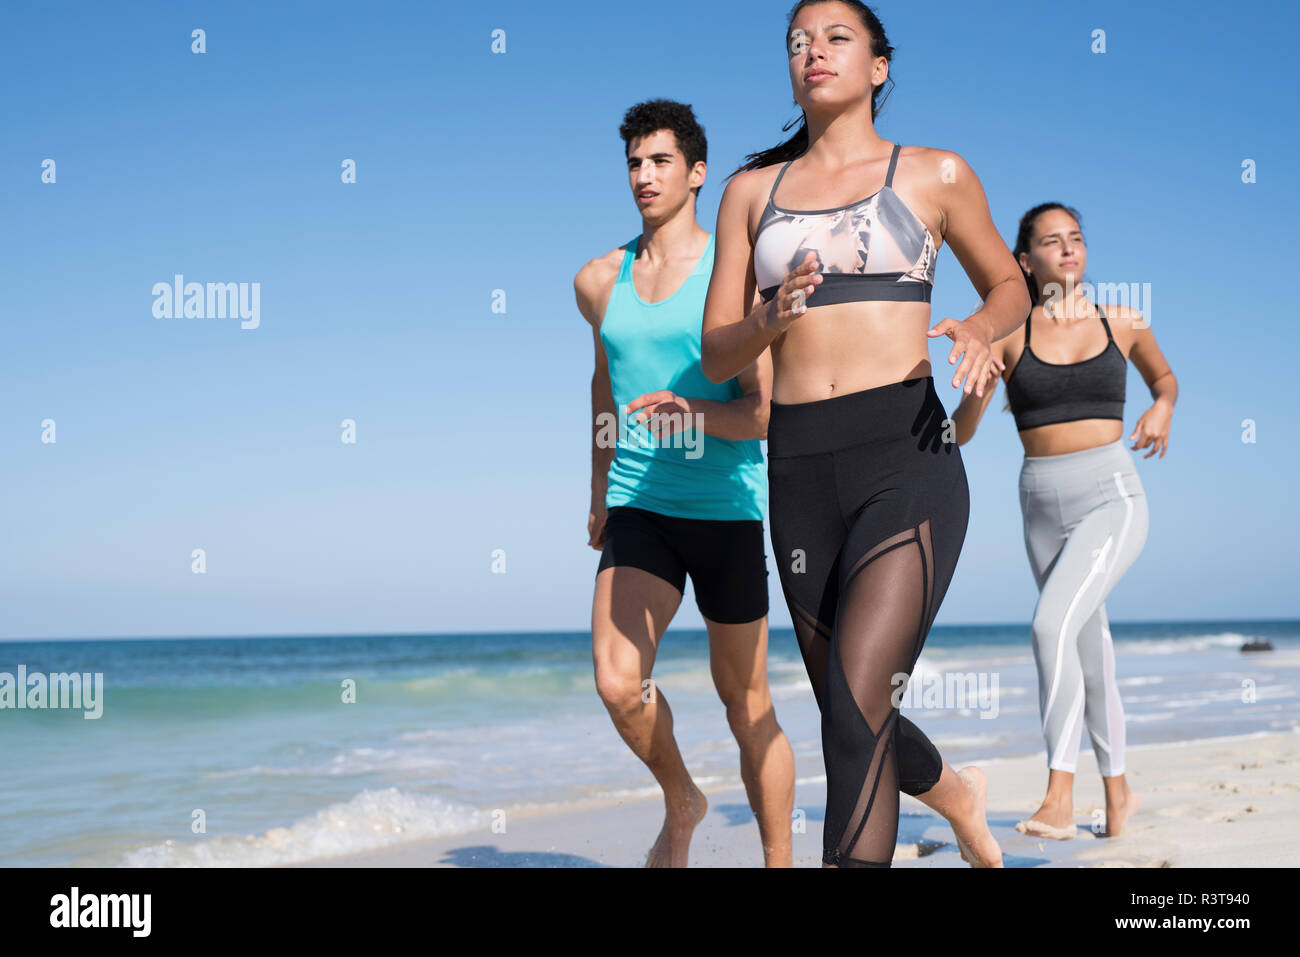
935,629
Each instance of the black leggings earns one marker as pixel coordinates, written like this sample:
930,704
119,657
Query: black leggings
868,507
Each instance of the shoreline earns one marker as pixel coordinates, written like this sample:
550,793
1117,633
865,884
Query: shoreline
1208,802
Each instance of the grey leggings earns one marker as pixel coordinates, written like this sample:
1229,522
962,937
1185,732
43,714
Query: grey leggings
1085,517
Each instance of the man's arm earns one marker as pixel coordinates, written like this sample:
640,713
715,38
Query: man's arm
603,412
603,415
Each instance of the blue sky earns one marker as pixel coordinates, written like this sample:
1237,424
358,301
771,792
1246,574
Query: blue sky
479,171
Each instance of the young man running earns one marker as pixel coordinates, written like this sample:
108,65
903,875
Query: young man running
678,488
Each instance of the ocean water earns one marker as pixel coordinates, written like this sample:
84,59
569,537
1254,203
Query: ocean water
254,737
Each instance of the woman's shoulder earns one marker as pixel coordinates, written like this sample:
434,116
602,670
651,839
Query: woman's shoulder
1125,323
944,165
752,185
759,175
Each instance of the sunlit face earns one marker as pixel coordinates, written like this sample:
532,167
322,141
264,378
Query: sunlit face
658,176
1056,251
830,57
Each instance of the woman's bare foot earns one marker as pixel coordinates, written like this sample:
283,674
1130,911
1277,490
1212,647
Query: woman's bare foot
1053,820
975,841
1118,814
672,847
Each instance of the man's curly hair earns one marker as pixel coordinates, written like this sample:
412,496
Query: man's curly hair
654,115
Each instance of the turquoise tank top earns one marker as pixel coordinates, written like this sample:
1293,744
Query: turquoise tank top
652,346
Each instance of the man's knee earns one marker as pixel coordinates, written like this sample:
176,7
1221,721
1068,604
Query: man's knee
622,688
747,707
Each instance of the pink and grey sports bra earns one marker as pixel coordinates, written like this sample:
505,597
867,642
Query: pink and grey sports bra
874,249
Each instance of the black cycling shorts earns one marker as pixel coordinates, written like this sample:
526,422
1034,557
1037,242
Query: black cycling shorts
726,559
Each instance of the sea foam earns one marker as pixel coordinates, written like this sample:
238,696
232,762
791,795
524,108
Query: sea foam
369,820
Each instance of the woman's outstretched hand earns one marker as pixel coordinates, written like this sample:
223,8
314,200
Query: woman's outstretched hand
972,339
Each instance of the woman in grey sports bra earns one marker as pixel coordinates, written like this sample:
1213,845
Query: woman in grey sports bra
1083,505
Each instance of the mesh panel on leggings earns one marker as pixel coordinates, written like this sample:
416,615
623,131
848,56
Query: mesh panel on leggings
919,764
883,613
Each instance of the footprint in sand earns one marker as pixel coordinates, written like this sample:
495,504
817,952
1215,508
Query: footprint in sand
1273,787
1226,817
1105,858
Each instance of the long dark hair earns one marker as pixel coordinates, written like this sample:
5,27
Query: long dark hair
1026,233
797,145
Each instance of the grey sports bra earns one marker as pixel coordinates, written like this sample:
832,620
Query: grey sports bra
1044,393
874,249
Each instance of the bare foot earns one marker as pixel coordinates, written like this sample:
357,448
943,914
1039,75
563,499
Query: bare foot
1116,817
672,848
975,841
1055,821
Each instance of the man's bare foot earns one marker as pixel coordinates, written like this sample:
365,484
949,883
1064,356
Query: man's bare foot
1118,815
1052,820
975,841
672,848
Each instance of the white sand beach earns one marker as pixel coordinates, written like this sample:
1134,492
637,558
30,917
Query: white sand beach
1221,802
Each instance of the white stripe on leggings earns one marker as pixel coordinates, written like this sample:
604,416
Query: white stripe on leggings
1097,567
1069,738
1107,646
1116,764
1107,674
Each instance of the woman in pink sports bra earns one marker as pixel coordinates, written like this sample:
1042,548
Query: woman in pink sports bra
868,495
